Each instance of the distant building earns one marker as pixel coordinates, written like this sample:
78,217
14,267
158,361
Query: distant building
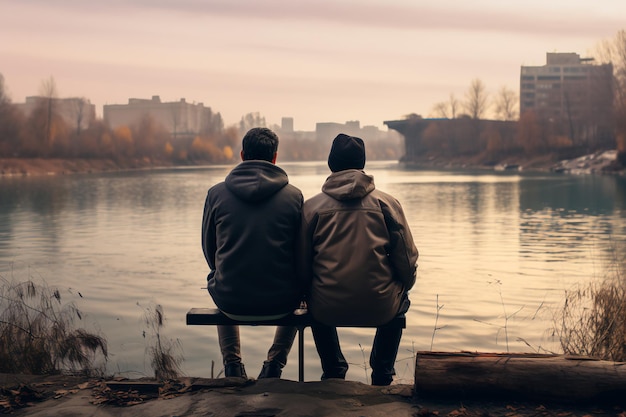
326,131
286,124
77,112
570,91
179,118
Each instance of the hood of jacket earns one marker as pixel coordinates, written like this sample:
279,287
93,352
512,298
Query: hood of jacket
256,180
348,184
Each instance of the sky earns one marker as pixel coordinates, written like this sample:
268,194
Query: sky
312,60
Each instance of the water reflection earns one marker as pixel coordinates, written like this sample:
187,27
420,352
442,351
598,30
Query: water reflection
589,195
493,249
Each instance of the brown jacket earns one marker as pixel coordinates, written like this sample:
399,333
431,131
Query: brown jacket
358,252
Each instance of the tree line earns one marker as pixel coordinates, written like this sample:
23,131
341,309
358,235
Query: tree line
45,133
531,133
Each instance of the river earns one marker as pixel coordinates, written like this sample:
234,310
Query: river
498,251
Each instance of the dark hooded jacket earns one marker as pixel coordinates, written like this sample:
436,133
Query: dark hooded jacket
358,252
250,228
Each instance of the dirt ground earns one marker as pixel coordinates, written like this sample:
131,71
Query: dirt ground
38,396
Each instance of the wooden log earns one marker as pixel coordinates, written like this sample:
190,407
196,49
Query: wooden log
520,376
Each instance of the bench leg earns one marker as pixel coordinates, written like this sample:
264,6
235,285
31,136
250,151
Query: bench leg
300,354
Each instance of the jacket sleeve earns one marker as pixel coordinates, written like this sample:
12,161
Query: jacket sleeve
300,241
208,234
402,251
305,257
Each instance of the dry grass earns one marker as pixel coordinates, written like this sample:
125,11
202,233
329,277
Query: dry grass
593,319
38,336
164,354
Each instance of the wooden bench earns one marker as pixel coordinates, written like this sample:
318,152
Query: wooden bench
299,319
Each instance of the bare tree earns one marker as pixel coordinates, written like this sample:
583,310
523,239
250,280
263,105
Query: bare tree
620,75
614,51
447,109
476,99
48,92
212,123
80,105
251,120
10,123
441,110
4,97
453,105
506,104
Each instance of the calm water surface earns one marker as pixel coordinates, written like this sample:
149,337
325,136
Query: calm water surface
496,250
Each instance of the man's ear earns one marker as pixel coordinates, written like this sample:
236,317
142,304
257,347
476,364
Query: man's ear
241,154
274,158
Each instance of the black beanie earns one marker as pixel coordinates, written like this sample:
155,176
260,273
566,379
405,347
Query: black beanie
347,152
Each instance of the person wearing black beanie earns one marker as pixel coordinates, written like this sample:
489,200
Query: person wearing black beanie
359,257
346,152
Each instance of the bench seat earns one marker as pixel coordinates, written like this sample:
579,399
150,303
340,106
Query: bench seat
299,319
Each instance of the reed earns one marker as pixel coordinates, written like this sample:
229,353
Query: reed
164,354
432,339
38,333
592,321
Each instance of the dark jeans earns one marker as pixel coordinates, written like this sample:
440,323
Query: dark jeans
230,344
334,364
382,357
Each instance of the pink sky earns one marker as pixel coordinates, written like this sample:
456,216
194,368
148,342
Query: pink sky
313,60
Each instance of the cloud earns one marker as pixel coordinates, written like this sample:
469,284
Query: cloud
523,19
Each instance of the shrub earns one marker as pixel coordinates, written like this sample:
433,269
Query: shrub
37,333
164,354
593,319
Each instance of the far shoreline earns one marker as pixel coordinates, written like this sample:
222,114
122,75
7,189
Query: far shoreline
29,167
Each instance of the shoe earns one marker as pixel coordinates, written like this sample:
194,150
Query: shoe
271,369
235,369
336,374
381,380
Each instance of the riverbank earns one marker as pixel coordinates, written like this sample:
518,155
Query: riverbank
11,167
603,162
191,397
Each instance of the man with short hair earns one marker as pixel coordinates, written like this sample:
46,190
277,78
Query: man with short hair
250,229
360,260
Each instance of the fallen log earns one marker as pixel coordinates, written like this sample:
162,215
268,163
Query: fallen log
521,376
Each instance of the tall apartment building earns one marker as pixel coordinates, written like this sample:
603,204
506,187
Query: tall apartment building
570,91
179,118
77,112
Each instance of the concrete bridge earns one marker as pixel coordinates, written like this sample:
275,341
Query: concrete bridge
412,129
463,135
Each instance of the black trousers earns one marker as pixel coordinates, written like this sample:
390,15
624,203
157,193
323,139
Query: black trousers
382,357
